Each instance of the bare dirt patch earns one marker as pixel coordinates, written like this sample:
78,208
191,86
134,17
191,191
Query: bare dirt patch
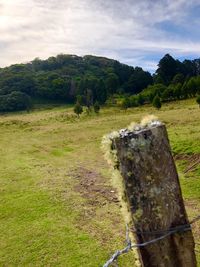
92,187
192,161
100,207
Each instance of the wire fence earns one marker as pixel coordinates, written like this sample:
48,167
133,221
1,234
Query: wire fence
165,233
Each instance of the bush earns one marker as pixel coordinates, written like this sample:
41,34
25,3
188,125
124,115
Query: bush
96,107
156,102
125,103
140,99
15,101
78,109
133,101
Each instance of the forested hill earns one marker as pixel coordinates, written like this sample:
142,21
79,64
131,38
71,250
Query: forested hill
91,79
64,77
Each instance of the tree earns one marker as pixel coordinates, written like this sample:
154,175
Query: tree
198,84
168,93
112,83
89,98
125,103
178,78
189,68
60,88
138,81
96,107
152,90
177,91
198,100
156,102
191,87
133,101
167,68
184,90
157,79
100,91
15,101
140,99
78,109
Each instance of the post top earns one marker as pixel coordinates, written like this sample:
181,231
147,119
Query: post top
138,128
147,123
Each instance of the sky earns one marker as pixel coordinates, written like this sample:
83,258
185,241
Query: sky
138,33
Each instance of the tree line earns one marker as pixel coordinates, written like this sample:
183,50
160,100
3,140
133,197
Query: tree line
90,79
173,80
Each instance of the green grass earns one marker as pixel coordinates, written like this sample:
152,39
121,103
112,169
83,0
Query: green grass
45,221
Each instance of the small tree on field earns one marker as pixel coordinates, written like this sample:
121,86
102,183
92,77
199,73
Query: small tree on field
125,103
198,100
156,102
96,107
78,109
140,99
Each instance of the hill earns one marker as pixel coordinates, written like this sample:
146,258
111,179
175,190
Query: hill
64,77
90,79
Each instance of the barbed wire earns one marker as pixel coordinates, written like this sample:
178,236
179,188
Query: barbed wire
177,228
120,252
130,246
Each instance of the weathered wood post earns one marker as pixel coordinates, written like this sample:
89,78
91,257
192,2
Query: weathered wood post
152,191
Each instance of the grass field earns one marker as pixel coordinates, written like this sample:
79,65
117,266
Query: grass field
57,204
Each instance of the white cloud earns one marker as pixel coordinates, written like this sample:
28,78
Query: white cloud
122,29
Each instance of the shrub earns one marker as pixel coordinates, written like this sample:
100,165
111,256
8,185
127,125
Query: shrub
156,102
15,101
78,109
96,107
125,103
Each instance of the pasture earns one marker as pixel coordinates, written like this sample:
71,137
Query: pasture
57,203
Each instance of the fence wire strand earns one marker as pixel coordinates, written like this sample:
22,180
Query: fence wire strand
166,233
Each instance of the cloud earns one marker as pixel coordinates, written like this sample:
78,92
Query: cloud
128,30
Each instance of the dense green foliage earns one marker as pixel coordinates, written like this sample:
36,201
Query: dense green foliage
65,77
173,80
15,101
169,68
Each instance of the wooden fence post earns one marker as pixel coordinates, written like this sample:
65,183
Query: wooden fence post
153,195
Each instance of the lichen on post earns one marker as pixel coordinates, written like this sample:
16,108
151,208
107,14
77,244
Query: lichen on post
151,192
